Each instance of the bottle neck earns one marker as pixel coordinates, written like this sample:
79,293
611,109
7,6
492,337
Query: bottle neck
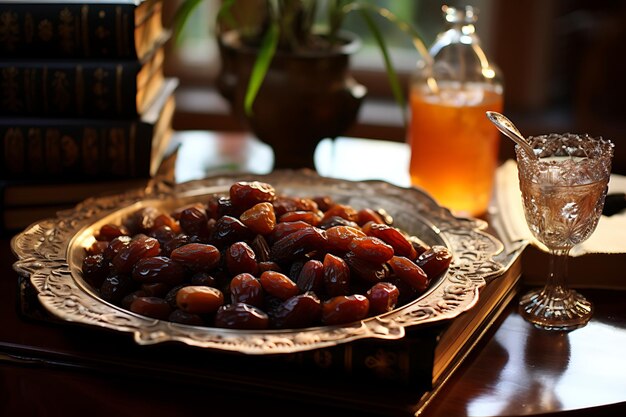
456,33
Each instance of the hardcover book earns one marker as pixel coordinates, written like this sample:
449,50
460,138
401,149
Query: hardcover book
383,376
80,88
68,29
23,202
67,149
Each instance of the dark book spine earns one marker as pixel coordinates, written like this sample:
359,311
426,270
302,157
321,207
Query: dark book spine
68,30
69,88
67,150
402,363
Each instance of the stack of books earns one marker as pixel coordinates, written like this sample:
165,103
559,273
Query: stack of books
85,107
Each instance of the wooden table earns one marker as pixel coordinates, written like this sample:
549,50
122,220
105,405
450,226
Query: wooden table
518,371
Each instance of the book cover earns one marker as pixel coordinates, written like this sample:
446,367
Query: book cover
392,377
25,202
22,194
67,149
80,88
122,29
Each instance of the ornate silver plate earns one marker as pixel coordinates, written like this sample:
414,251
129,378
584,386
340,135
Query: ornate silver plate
51,251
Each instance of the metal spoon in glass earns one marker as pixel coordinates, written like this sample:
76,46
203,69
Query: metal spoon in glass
507,127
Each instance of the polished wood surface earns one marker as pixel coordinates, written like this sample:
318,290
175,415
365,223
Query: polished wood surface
523,371
517,371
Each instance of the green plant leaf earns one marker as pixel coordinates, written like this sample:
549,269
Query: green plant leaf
267,51
224,13
396,87
182,16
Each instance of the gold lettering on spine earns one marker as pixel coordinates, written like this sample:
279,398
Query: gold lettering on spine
53,151
44,87
132,144
10,84
30,89
70,151
84,18
29,31
117,151
323,358
119,102
79,89
118,30
35,152
61,98
126,31
347,359
90,158
14,151
66,31
9,30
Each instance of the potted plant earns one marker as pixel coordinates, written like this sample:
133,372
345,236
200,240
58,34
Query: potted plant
287,76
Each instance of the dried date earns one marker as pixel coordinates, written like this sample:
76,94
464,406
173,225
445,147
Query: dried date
141,246
298,311
393,237
345,309
278,284
340,237
241,316
435,260
409,272
364,270
241,258
194,222
297,243
198,257
95,269
336,275
109,232
183,317
383,297
245,194
260,218
154,307
311,276
281,262
199,299
371,249
245,288
115,287
228,230
158,269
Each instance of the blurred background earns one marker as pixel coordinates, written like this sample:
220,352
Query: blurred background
563,62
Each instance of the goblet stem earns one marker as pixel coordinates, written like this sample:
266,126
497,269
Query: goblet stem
556,286
556,306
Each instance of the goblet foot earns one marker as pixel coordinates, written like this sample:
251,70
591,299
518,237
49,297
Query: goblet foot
568,311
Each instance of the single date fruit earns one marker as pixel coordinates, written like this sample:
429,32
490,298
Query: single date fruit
435,260
197,257
199,299
345,309
241,316
383,297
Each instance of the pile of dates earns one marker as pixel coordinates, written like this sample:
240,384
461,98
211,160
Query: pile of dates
254,259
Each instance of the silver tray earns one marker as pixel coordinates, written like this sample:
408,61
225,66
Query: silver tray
51,251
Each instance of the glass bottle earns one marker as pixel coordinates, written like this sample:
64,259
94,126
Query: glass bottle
454,147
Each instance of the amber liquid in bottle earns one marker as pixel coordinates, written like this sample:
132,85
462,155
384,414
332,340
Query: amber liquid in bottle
454,147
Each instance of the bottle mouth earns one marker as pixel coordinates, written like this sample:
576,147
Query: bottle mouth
467,14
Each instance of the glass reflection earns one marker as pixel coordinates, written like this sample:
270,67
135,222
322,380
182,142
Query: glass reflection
548,371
